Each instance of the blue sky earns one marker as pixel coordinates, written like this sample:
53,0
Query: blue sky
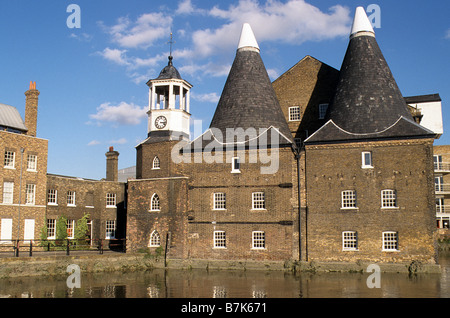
92,79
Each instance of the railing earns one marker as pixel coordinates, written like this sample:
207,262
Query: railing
442,166
443,208
442,188
18,247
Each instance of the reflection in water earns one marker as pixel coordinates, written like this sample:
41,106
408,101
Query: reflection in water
231,284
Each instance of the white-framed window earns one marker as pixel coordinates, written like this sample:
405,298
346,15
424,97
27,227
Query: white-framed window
349,241
155,239
390,241
155,204
388,198
235,165
322,110
220,201
31,162
156,163
70,226
258,240
52,197
31,194
6,231
110,229
258,201
366,157
71,198
51,228
348,199
110,200
9,159
8,192
220,239
294,113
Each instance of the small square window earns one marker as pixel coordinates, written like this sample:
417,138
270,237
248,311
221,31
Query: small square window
220,201
367,159
294,113
390,241
220,239
349,241
258,201
388,199
348,199
235,165
258,240
110,200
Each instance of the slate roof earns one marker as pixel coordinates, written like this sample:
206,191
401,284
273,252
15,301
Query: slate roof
367,102
10,118
169,71
248,99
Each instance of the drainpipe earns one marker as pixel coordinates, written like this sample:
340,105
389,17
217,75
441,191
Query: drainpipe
297,157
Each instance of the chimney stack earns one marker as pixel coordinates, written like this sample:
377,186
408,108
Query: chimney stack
31,108
112,165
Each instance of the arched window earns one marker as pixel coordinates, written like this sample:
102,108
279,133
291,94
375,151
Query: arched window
155,204
155,239
156,163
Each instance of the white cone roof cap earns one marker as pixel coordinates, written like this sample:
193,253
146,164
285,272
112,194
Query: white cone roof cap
361,22
247,38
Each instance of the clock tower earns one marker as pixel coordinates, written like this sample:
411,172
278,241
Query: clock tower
169,105
168,124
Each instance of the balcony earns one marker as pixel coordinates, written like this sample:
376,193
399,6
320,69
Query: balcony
442,167
442,188
443,209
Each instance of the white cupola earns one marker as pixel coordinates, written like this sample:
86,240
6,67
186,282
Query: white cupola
169,104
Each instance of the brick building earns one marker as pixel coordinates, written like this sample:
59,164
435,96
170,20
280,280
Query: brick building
352,179
32,199
320,165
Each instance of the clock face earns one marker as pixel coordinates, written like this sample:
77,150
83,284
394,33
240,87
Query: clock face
160,122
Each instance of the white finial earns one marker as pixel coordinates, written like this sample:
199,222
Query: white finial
248,39
361,23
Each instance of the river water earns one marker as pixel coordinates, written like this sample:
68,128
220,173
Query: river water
232,284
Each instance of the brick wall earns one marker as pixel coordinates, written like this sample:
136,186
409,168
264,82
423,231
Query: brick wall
404,166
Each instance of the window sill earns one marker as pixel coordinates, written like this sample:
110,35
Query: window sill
355,208
52,204
366,167
350,250
258,249
390,208
235,171
156,168
219,248
219,209
390,251
72,205
10,168
258,210
111,207
154,210
31,170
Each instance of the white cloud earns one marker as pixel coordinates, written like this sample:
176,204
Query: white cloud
186,7
124,113
115,55
93,143
141,33
294,22
207,97
120,141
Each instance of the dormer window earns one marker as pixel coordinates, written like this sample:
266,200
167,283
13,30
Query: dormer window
322,110
156,163
235,165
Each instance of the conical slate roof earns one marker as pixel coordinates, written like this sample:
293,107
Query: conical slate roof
367,102
248,99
